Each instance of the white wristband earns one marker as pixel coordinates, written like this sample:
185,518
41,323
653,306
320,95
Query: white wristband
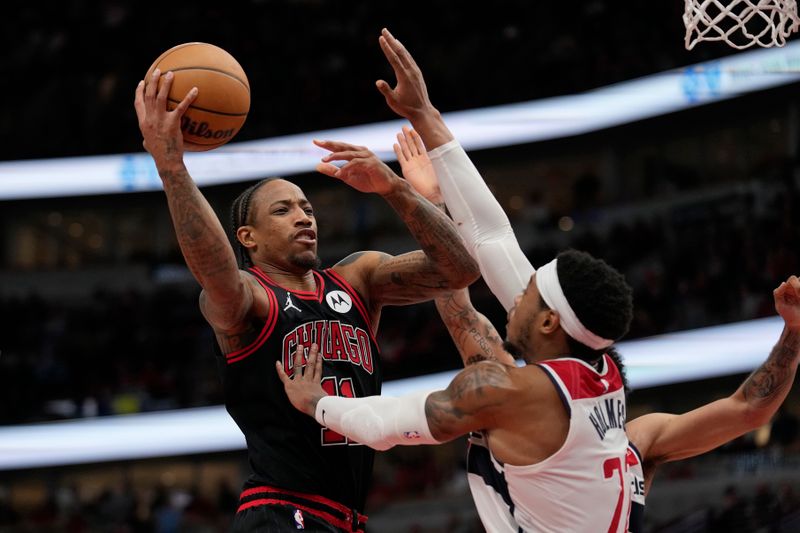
380,422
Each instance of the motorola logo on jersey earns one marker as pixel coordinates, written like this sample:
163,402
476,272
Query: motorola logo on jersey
339,301
336,340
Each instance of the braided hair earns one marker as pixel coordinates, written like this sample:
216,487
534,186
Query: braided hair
240,216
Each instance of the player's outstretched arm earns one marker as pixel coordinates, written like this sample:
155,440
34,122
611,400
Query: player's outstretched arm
474,336
443,263
662,437
202,239
475,399
479,218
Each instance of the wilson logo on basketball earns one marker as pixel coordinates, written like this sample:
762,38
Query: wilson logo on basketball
339,301
202,130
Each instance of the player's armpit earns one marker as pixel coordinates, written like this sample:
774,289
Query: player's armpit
473,401
229,312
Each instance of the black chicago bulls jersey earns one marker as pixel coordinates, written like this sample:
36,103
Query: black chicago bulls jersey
288,449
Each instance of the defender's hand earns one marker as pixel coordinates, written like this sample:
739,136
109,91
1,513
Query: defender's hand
409,98
787,302
417,166
160,127
303,388
363,170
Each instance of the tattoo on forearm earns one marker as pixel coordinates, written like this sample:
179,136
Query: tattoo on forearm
200,235
445,253
469,330
772,379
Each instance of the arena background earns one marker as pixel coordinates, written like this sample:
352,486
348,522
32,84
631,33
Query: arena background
98,316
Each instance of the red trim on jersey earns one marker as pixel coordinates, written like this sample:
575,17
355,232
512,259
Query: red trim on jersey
266,331
332,520
583,381
303,295
632,456
362,309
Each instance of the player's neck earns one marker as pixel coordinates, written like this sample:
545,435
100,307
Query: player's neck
548,348
296,280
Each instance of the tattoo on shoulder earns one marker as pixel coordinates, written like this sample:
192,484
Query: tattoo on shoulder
477,358
352,258
468,394
477,381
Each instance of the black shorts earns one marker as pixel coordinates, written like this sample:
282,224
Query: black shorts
269,509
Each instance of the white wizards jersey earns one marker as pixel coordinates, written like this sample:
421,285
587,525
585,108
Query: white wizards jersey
585,485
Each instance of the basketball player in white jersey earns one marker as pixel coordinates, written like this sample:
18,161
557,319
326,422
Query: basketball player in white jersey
655,438
551,450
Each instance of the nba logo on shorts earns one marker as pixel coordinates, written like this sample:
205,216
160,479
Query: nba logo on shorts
298,519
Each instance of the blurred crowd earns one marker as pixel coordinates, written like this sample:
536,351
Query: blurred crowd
132,351
311,64
695,261
430,480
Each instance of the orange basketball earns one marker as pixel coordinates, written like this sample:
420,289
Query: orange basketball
223,98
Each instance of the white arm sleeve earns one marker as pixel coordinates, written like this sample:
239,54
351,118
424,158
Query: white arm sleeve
482,223
380,422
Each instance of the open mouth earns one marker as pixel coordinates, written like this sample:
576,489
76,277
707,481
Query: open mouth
306,236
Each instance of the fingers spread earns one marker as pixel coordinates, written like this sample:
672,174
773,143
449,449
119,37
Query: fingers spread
151,88
347,155
138,101
389,52
312,370
384,88
281,374
404,147
163,90
318,369
327,169
339,146
186,102
399,153
418,142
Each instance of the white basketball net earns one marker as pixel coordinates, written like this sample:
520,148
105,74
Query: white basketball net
740,23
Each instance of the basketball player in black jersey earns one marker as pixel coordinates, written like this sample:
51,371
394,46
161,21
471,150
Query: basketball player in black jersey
303,476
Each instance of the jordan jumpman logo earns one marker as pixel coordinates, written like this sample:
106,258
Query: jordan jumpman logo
290,305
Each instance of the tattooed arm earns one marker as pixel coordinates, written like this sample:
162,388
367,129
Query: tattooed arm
477,397
443,263
227,296
662,437
475,337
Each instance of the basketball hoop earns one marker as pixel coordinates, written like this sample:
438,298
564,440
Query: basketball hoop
740,23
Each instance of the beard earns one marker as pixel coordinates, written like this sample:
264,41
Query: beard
512,348
306,261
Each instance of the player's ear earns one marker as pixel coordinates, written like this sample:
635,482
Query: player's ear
245,236
549,321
